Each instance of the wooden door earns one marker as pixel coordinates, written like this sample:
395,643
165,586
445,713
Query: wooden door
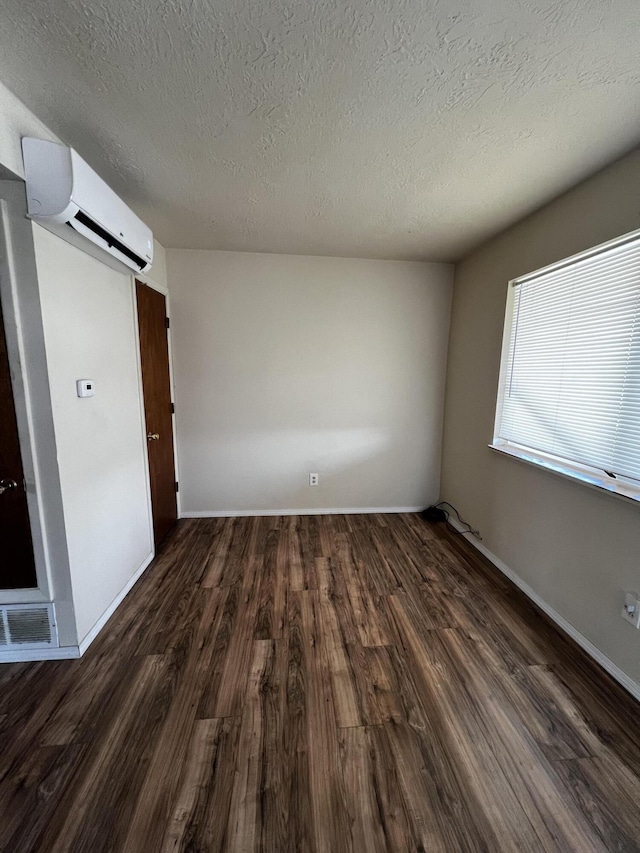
154,355
17,565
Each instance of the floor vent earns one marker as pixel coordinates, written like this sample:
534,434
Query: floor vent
27,626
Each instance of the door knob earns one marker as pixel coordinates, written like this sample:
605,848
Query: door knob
153,436
7,486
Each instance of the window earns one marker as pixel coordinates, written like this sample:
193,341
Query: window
569,394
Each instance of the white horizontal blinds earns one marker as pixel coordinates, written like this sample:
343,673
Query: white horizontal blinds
572,382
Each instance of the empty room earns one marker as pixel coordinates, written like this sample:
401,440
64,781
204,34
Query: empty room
319,426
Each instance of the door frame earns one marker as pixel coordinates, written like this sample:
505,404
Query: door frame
164,290
26,350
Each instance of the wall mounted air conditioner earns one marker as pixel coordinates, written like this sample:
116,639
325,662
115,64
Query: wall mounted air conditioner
63,192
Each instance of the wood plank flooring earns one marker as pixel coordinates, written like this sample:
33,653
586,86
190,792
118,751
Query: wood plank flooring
319,683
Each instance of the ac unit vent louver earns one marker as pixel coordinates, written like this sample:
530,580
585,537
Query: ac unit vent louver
27,626
109,239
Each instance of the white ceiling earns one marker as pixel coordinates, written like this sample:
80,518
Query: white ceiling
384,129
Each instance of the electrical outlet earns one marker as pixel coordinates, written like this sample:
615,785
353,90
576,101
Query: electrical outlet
313,479
631,609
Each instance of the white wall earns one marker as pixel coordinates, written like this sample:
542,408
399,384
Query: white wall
87,311
17,121
90,333
287,365
577,548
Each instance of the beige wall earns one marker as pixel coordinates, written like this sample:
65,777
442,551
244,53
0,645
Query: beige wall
286,365
577,548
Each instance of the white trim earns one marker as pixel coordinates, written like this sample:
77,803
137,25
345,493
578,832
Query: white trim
143,416
608,665
15,655
18,655
151,282
23,596
28,356
172,390
108,613
12,281
583,474
232,513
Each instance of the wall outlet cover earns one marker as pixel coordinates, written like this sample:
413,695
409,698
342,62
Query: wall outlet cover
631,609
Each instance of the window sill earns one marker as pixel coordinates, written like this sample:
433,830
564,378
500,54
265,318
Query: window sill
591,478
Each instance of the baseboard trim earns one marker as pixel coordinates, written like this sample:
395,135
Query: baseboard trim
593,651
23,655
117,601
358,510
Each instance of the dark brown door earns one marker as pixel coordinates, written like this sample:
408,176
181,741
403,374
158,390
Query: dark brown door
17,566
154,356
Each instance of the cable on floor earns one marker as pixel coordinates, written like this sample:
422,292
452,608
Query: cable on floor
437,513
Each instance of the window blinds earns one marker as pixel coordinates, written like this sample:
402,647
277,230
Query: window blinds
571,383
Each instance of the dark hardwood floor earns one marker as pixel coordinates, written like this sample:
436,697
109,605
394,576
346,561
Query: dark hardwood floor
319,683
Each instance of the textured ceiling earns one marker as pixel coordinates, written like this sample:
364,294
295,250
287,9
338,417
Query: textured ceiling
385,129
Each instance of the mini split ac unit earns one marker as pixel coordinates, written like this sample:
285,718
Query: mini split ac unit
64,192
